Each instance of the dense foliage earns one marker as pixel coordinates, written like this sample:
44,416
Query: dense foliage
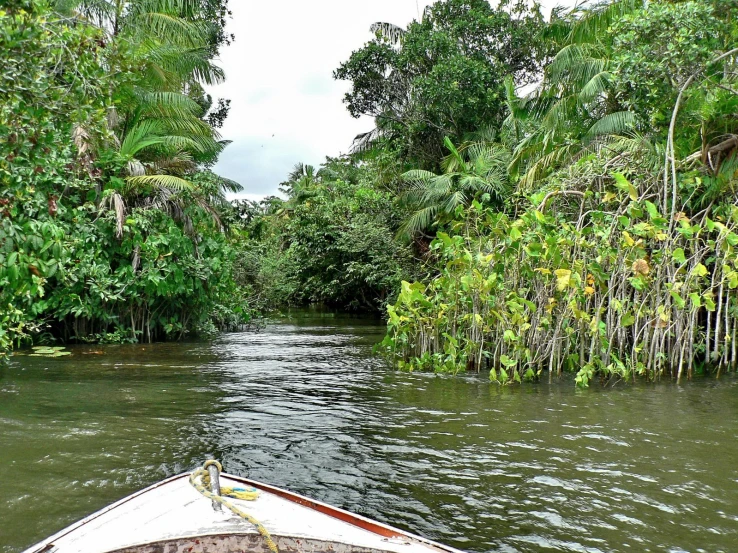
109,229
331,242
535,196
588,225
616,255
443,75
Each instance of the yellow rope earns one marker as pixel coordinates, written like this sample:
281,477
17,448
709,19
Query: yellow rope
237,493
244,494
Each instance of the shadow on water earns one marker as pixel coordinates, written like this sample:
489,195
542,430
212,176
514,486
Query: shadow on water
304,405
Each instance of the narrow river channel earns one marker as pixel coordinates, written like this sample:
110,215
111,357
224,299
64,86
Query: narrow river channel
304,405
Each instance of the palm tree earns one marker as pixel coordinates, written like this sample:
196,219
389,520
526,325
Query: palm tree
300,183
157,130
398,83
172,46
476,171
574,108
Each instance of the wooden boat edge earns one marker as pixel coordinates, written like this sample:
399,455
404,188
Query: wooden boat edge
378,528
42,545
365,523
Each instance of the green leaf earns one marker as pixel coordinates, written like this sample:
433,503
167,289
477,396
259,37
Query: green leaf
653,211
678,300
505,360
624,184
679,256
733,280
638,283
534,249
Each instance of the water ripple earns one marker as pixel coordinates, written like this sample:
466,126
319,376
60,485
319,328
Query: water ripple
304,405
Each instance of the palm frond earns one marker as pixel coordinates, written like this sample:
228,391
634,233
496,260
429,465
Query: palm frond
166,104
177,30
419,221
391,32
169,64
142,135
454,161
229,185
577,62
418,175
595,87
168,182
618,122
596,19
455,200
365,141
178,164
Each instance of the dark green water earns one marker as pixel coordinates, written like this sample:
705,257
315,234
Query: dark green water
303,405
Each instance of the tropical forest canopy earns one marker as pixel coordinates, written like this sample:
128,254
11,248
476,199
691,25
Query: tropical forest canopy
112,226
534,194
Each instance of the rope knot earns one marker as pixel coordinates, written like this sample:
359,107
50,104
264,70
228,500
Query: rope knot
244,494
213,462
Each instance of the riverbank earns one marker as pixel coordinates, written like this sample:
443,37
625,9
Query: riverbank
306,406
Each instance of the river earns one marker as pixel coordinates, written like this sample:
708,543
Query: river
304,405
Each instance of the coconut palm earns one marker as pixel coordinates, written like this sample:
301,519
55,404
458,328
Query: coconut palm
157,130
574,108
475,171
301,185
398,84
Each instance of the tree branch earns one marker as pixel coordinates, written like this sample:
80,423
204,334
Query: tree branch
550,195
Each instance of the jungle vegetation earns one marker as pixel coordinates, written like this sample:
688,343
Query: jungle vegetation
536,194
112,227
560,192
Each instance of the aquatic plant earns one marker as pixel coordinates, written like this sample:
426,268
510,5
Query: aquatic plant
618,290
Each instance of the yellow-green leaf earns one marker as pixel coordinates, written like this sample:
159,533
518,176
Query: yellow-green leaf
700,270
624,184
563,276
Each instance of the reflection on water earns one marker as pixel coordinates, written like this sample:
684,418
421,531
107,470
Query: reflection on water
303,405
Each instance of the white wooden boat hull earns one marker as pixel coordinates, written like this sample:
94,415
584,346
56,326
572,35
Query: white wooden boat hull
172,517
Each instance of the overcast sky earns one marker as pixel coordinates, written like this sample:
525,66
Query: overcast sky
285,105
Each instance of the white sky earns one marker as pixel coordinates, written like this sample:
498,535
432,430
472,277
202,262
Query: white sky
285,105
